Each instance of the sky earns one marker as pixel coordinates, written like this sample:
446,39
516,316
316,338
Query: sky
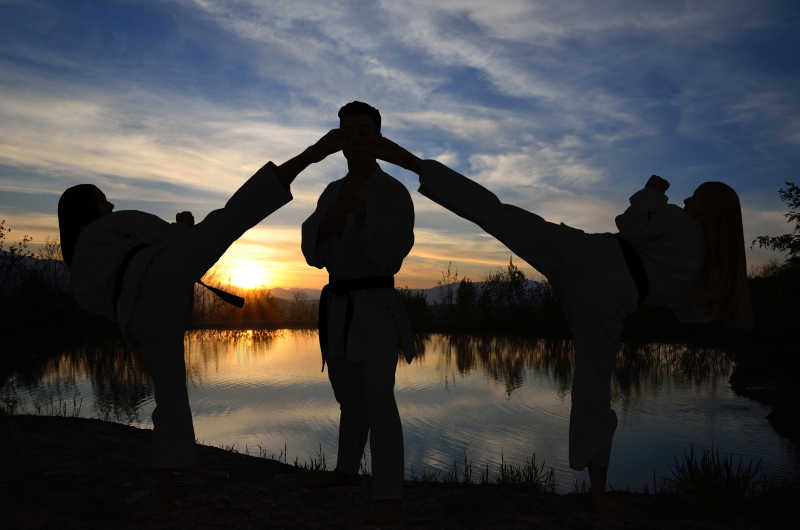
561,108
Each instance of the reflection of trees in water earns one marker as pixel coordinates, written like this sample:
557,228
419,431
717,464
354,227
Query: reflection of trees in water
209,348
119,380
640,368
117,376
645,368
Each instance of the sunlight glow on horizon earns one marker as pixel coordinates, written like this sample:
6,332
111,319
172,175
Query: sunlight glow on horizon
249,274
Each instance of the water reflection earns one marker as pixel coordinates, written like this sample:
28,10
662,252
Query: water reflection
479,396
641,368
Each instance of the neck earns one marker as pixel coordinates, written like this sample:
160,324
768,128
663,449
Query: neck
361,169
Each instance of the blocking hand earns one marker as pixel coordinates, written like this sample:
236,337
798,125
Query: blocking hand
388,151
327,145
657,183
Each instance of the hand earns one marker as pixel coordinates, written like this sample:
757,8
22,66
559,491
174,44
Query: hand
335,219
387,150
333,141
657,183
184,218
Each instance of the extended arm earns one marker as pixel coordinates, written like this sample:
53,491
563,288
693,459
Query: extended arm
510,224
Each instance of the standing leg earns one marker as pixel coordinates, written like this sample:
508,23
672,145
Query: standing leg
173,432
592,422
353,426
386,431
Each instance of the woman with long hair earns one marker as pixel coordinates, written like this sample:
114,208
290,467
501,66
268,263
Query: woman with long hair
690,260
138,270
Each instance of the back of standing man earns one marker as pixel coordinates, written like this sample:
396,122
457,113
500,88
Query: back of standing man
361,231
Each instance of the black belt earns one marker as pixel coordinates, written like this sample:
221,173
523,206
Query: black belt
636,268
345,287
232,299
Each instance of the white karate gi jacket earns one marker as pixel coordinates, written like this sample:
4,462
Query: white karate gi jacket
591,278
670,244
377,247
104,243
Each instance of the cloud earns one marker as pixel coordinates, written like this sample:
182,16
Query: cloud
543,102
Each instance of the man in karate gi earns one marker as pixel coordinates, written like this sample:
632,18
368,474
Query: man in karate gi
360,232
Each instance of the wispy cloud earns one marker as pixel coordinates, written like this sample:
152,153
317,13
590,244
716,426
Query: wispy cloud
562,108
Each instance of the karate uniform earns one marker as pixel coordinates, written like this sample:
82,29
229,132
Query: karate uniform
161,262
362,354
591,278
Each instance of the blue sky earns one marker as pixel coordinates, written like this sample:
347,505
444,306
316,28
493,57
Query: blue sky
563,108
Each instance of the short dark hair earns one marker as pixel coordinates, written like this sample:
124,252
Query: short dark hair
76,209
359,107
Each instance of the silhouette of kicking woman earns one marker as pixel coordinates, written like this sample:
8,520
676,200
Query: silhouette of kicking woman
137,270
689,259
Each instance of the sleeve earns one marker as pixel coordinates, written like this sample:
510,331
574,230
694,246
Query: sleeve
647,218
389,234
258,197
462,196
316,255
510,224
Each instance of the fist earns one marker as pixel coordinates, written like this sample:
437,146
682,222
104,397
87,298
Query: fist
330,143
657,183
184,218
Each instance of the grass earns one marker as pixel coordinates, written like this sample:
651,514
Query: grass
704,478
62,407
711,475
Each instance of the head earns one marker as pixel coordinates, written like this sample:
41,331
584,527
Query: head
721,291
77,207
358,119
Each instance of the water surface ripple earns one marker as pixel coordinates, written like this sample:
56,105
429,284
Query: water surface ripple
483,399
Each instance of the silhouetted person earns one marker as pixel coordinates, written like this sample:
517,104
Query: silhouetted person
689,259
360,232
138,270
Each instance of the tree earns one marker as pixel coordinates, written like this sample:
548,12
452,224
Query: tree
787,242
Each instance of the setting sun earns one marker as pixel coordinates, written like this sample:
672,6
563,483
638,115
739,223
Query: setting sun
248,274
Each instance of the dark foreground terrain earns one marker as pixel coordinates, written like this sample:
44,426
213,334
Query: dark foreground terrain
66,473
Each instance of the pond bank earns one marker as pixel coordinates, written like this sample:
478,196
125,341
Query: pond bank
768,373
81,473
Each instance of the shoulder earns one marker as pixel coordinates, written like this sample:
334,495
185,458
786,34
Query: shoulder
390,185
332,187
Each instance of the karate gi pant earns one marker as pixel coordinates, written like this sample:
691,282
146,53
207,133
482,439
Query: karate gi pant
156,302
365,393
589,276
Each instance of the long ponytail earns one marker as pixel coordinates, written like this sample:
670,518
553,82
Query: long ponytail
721,292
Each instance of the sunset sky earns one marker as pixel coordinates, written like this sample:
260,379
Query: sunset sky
563,108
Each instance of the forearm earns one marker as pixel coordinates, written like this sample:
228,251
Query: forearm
289,170
410,162
459,194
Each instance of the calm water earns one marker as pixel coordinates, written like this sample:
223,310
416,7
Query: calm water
481,398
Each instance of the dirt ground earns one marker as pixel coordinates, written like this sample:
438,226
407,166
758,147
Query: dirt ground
65,473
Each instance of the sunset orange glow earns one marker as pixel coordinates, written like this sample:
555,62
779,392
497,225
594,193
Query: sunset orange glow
249,274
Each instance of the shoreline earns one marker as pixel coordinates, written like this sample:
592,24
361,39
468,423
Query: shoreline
85,473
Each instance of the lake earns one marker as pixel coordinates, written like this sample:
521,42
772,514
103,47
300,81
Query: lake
486,399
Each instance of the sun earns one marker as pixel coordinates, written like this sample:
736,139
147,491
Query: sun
248,274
